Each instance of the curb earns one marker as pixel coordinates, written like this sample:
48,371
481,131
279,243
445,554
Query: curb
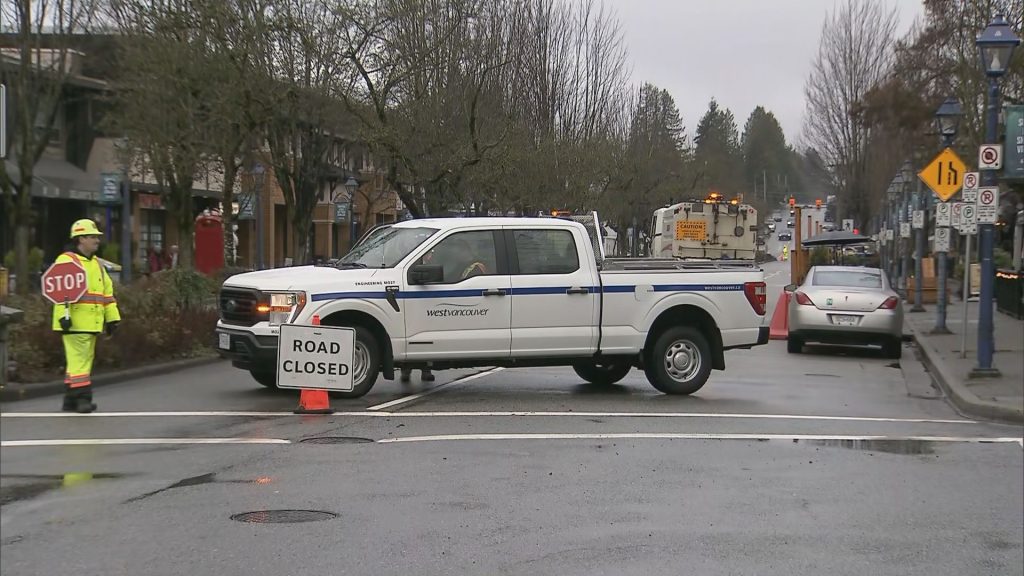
14,392
961,397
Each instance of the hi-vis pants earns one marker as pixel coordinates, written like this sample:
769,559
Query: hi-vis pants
79,351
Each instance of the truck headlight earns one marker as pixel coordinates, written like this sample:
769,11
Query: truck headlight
281,307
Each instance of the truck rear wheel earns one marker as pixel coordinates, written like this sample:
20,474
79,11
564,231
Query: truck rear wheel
601,373
680,362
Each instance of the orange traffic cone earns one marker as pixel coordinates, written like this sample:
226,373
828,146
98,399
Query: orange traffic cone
314,401
779,327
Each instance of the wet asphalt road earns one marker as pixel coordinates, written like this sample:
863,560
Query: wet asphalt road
832,462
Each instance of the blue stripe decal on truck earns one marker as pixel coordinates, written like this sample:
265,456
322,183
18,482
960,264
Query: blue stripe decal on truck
539,290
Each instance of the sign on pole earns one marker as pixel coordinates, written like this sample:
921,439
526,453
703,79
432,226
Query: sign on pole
941,239
246,206
64,282
944,174
315,357
3,121
918,219
968,220
971,181
341,212
943,211
110,188
1014,142
954,216
848,224
988,205
990,157
904,229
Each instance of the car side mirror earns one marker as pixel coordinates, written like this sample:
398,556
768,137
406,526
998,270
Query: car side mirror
790,287
426,274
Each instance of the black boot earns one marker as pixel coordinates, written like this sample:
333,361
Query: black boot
427,375
406,375
69,402
83,403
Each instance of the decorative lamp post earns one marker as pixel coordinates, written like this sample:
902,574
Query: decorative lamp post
947,122
995,44
906,177
351,185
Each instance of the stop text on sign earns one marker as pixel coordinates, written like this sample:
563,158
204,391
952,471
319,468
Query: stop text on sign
64,282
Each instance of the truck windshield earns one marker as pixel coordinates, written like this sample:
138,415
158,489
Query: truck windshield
385,248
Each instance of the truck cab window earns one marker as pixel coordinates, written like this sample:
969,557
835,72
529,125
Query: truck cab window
546,252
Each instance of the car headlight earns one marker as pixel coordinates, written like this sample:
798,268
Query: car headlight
281,307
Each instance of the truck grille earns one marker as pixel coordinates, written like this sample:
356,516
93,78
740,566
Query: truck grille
238,306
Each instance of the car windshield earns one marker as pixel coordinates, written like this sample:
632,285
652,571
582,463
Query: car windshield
385,248
851,278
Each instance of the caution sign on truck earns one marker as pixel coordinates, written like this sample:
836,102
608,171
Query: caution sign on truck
691,230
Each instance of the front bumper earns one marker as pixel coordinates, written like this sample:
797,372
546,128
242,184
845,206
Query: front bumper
247,350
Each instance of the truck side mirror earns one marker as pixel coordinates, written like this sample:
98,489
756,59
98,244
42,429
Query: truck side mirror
426,274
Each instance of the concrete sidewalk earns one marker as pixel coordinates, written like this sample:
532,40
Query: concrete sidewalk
1000,398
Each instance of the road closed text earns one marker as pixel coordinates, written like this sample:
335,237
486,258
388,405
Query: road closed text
322,368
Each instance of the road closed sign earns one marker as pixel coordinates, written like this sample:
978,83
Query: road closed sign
315,357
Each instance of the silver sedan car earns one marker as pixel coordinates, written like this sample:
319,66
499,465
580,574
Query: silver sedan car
845,305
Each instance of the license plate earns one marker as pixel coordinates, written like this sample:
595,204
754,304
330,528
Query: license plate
841,320
224,341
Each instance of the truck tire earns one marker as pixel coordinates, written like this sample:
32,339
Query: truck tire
680,362
266,378
365,364
601,374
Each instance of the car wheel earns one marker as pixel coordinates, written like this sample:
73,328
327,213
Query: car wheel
893,348
794,345
680,362
601,374
365,364
265,377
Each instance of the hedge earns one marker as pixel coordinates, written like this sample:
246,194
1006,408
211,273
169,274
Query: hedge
167,316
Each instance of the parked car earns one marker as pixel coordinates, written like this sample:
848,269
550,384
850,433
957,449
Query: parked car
785,235
845,305
789,223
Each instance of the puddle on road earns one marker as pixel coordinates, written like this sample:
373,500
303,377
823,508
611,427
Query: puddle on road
907,447
35,485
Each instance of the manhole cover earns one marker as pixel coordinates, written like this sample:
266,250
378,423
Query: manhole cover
283,516
336,440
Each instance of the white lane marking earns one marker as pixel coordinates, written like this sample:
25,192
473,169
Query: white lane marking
127,441
675,436
412,397
528,414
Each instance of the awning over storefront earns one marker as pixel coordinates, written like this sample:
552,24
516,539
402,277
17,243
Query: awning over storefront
55,178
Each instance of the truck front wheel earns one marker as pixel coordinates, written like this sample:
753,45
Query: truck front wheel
365,364
680,362
601,374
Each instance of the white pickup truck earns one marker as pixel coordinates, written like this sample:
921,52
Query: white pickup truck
514,292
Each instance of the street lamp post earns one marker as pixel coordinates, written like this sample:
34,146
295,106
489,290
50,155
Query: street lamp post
996,44
351,185
947,121
257,180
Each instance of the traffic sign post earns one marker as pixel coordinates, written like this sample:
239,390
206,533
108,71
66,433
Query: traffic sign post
848,224
944,174
990,157
64,283
904,229
918,220
971,181
941,248
988,205
943,212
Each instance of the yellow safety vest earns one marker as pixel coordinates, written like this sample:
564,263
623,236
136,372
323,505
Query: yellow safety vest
97,306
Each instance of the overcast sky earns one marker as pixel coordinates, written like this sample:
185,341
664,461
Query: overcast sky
744,53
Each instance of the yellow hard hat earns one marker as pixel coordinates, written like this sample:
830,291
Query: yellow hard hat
84,227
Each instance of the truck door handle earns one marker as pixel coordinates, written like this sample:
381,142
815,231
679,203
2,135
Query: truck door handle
494,292
577,290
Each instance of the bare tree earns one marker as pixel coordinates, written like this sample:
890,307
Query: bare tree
37,70
855,53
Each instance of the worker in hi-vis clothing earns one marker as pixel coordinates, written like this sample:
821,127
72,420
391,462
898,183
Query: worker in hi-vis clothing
83,321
